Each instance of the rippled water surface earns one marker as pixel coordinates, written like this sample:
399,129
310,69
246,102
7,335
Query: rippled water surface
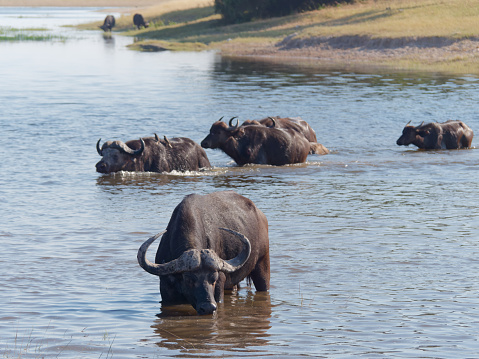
374,248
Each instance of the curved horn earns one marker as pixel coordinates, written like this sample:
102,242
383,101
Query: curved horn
274,122
168,142
422,123
231,122
407,124
221,118
98,148
188,261
232,265
128,150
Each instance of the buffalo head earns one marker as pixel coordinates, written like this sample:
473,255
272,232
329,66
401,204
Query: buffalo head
195,272
219,133
117,156
410,134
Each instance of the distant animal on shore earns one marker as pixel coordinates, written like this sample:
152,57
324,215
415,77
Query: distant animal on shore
211,243
435,136
108,23
258,144
151,154
140,22
293,123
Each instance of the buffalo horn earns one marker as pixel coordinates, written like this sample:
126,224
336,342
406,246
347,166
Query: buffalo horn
229,266
231,122
193,258
407,124
274,122
221,118
128,150
188,261
98,148
168,142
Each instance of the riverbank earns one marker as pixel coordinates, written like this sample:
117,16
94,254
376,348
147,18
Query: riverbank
441,54
406,35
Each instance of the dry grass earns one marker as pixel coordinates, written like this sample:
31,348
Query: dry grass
399,18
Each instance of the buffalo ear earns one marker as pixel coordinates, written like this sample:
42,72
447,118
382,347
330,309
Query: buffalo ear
424,133
238,133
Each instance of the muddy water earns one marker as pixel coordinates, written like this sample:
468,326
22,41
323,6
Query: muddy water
373,248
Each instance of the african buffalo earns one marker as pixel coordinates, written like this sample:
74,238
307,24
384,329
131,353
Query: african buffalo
108,24
151,154
139,21
435,136
211,243
296,124
258,144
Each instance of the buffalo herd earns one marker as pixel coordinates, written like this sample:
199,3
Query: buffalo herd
214,241
109,22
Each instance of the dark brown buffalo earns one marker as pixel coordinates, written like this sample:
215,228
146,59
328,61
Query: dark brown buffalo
211,243
258,144
108,23
140,22
296,124
151,154
436,136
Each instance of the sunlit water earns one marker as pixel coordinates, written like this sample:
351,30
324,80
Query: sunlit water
374,248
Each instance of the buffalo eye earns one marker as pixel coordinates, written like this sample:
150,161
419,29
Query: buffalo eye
213,277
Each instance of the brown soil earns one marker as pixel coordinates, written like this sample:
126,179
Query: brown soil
361,51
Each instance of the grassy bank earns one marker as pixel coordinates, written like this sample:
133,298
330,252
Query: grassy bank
437,35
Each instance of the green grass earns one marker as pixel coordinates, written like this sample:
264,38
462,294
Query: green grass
31,34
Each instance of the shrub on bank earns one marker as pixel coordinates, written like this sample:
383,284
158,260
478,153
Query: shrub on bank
234,11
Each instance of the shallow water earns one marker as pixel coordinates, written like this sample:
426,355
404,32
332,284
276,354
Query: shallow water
373,248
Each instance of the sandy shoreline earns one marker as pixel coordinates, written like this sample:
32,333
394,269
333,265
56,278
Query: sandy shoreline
432,54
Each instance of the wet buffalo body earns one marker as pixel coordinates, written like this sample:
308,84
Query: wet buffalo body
151,154
435,136
211,243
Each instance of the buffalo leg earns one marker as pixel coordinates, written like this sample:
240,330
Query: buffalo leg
260,275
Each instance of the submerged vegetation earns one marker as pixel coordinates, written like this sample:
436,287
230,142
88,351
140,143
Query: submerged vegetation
28,34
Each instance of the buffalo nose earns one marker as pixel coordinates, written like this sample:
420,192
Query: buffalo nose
101,167
206,308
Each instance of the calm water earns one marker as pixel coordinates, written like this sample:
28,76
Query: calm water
374,248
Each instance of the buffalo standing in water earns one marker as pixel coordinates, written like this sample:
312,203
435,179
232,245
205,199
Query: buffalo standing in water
108,23
258,144
436,136
151,155
139,21
293,123
211,243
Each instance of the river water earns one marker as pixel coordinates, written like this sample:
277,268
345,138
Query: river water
374,247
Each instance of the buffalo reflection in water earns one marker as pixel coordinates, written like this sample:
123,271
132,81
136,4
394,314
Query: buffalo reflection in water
240,322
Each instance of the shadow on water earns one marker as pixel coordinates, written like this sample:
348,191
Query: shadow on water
275,74
241,322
